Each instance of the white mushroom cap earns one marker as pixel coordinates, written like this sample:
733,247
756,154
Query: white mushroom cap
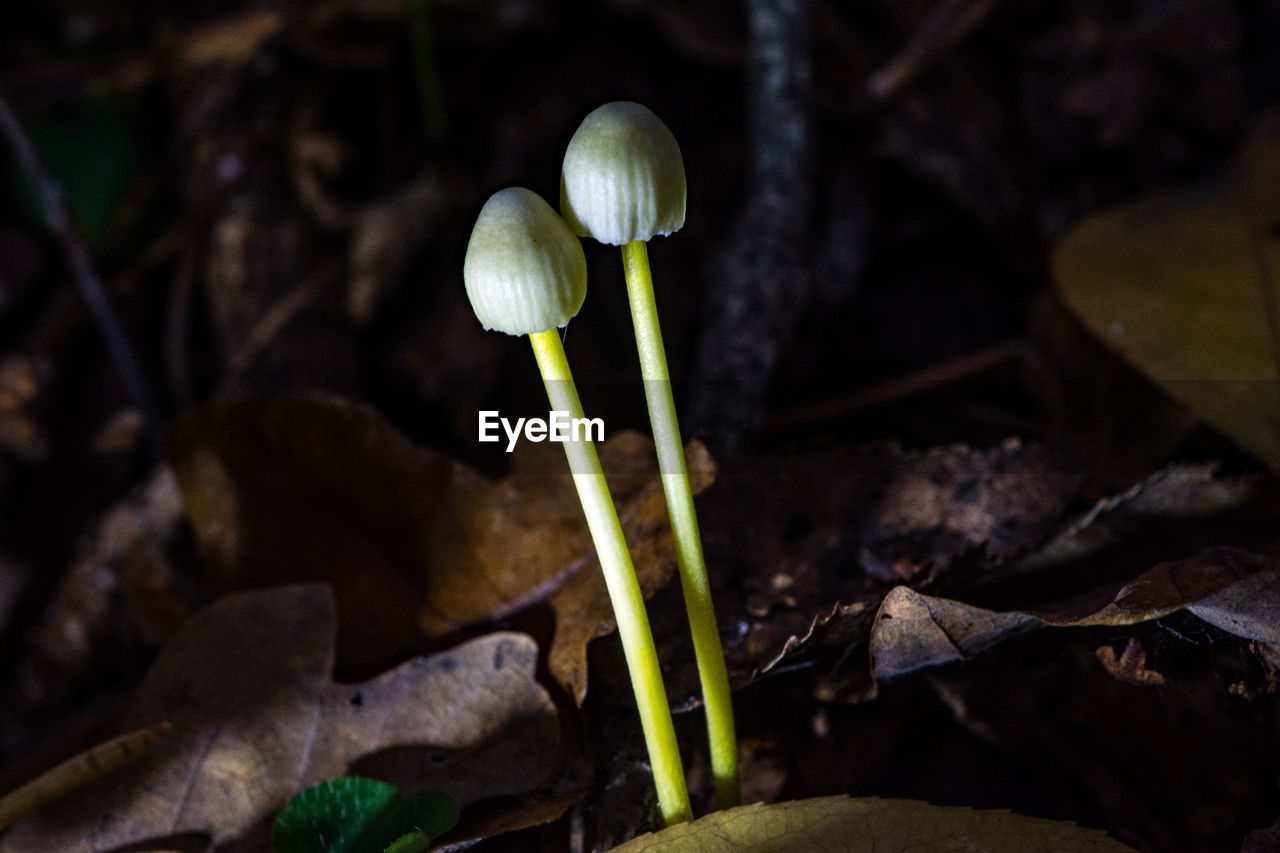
623,177
525,271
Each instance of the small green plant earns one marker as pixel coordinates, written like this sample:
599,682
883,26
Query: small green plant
526,274
623,183
355,815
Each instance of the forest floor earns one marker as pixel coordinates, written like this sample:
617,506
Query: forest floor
974,324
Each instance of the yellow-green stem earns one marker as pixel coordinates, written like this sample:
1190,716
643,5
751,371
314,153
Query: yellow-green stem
684,526
624,587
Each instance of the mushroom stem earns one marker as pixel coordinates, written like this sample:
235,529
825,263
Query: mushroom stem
623,586
684,526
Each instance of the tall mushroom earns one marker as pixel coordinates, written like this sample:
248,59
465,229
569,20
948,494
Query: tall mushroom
622,183
526,275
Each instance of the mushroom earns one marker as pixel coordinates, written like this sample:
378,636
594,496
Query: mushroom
622,183
526,275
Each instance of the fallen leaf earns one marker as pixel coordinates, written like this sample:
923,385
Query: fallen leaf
1130,665
838,615
945,501
582,607
846,825
1174,494
256,717
120,579
1248,608
913,630
22,380
234,41
810,536
528,535
311,487
1185,284
302,488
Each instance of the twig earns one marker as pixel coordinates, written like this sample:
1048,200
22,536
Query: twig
177,365
897,389
78,770
950,22
56,218
273,321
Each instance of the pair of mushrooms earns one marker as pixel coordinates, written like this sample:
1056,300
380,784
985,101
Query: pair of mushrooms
622,183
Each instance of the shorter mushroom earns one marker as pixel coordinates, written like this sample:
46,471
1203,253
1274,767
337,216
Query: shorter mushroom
526,275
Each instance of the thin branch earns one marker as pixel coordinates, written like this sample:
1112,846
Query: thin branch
948,24
53,208
897,389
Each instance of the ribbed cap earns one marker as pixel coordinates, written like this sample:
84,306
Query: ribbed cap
524,270
623,177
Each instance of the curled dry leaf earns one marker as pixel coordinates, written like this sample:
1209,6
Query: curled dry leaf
256,717
1234,590
1174,494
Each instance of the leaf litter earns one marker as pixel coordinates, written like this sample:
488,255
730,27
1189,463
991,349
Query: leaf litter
944,516
301,487
255,716
913,630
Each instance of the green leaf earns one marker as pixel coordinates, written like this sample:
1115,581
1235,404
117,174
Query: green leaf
94,154
426,813
411,842
844,825
331,816
354,815
1185,285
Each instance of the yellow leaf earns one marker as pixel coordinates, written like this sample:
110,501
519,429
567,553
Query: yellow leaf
844,825
1183,284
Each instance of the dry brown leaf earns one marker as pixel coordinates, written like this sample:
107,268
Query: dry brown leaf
311,487
1130,665
256,717
810,535
22,380
820,613
315,488
233,41
948,500
120,575
582,607
913,630
1173,494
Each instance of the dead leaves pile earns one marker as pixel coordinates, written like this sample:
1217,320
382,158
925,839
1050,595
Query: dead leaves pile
255,717
313,516
316,488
